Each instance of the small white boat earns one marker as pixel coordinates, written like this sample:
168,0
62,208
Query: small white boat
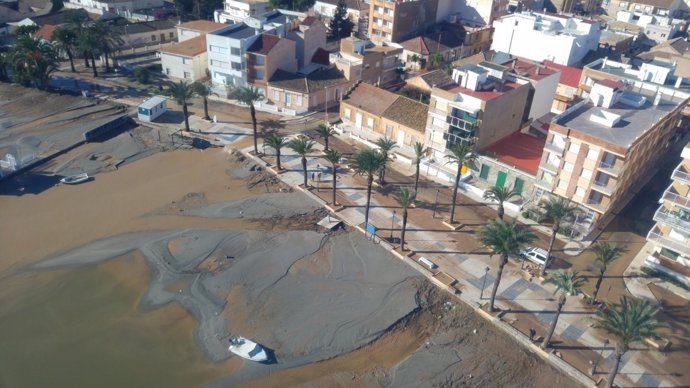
247,349
74,179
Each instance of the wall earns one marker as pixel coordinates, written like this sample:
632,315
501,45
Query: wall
98,7
502,116
282,56
410,135
544,92
220,59
512,174
185,34
146,38
531,44
174,66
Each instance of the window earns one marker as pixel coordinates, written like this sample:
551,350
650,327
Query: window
568,167
299,101
587,174
187,75
218,49
580,192
547,177
259,74
563,184
553,160
186,61
558,141
592,154
389,131
235,51
574,148
623,4
259,60
370,122
348,113
171,35
436,122
217,63
153,38
288,99
236,66
276,95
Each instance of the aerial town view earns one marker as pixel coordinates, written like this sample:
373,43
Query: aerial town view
344,193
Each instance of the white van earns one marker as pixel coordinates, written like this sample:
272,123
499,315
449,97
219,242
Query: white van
535,255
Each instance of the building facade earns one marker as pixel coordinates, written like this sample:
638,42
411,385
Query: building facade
196,28
235,11
362,60
119,7
295,93
395,21
186,60
266,55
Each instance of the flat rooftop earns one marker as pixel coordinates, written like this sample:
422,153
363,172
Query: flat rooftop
239,31
519,150
614,68
634,122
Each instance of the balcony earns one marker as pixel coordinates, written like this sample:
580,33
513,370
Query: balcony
549,167
680,175
674,219
610,169
603,188
554,149
596,206
548,186
674,245
676,199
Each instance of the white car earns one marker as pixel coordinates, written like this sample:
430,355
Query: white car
535,255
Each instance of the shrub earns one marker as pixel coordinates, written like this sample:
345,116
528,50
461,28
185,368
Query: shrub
142,74
525,215
156,67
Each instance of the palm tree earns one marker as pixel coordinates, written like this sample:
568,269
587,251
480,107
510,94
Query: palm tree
415,59
182,92
325,131
405,199
250,95
110,41
367,163
557,210
333,157
419,151
605,254
504,240
77,22
276,142
203,90
568,283
500,195
436,59
461,154
32,61
302,146
385,145
632,322
90,43
65,41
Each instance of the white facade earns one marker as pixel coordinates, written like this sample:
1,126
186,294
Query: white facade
181,67
123,8
235,11
152,108
538,37
226,51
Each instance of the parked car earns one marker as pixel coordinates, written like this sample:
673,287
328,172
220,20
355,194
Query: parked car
535,255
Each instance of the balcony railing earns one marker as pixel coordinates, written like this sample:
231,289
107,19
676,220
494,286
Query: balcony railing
673,219
549,167
675,245
610,169
554,148
677,199
681,176
596,206
603,188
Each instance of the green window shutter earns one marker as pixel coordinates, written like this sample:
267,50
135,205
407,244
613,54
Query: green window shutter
501,179
484,173
519,184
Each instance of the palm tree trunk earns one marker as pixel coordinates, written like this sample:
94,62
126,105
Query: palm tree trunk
402,232
614,371
207,117
596,287
107,63
93,64
370,181
71,60
186,118
552,329
501,211
304,167
278,158
504,261
416,178
548,254
455,195
252,112
325,139
86,59
334,183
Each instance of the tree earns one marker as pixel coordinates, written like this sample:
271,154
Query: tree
325,131
419,151
29,30
110,40
90,43
567,283
32,61
65,40
415,59
142,74
436,59
605,254
500,195
250,95
405,198
276,142
385,145
503,239
367,163
333,157
340,25
557,210
632,322
203,90
461,154
302,146
77,22
182,92
292,5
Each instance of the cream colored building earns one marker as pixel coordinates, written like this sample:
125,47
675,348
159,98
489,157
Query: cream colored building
195,28
185,60
235,11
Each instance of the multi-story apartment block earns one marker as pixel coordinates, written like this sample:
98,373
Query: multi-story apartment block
357,11
397,20
671,234
235,11
266,55
123,8
485,104
362,60
600,151
561,39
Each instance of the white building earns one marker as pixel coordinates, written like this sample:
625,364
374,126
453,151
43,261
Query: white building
185,60
655,27
235,11
123,8
152,108
561,39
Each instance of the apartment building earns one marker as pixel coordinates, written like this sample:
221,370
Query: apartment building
186,60
309,36
671,234
543,83
357,11
362,60
567,92
196,28
235,11
602,150
483,105
266,55
398,20
644,9
538,37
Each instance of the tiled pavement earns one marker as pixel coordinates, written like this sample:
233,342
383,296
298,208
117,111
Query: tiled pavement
516,292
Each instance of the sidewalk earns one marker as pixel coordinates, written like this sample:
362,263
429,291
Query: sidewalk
526,303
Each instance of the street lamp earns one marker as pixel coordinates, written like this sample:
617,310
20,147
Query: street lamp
486,272
594,367
392,224
435,203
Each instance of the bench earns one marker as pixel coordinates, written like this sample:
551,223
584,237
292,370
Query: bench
427,263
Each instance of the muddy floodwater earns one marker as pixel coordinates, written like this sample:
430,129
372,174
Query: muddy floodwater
81,328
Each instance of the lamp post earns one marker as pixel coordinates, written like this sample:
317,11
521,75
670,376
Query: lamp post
594,367
435,203
392,225
486,272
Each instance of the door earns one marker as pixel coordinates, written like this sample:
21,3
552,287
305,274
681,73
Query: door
401,138
501,179
519,184
358,120
484,173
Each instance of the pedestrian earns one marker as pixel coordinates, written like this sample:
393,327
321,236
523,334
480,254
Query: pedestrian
312,176
532,333
318,176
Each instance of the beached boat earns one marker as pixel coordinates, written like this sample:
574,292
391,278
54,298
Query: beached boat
247,349
74,179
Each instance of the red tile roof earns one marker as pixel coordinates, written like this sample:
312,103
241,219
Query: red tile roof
570,76
611,84
534,71
188,48
264,44
519,150
45,32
